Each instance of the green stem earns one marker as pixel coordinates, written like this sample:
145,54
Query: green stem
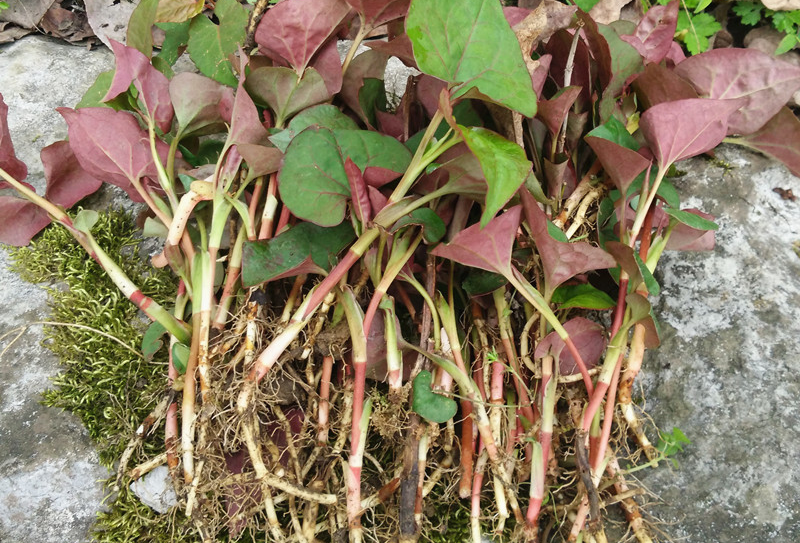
641,210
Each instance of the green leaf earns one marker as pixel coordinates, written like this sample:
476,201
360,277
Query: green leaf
556,233
304,248
691,220
140,27
666,190
504,166
210,44
585,296
323,115
749,12
372,97
786,44
373,150
430,405
698,29
471,46
433,228
313,183
586,5
649,281
85,219
94,95
180,357
151,340
480,282
703,4
614,130
625,62
176,35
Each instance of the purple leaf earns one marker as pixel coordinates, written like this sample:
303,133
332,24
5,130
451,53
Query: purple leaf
561,261
246,126
779,138
686,238
621,164
488,248
8,160
685,128
110,145
658,84
294,30
654,33
153,86
559,46
369,64
553,112
260,159
378,12
463,175
763,83
399,47
358,192
28,220
67,181
202,106
329,65
588,338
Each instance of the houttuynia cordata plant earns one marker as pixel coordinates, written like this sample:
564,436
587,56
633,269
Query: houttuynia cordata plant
385,305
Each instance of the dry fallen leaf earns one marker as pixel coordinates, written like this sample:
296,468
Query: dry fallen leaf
607,11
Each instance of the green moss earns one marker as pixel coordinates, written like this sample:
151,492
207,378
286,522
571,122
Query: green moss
130,520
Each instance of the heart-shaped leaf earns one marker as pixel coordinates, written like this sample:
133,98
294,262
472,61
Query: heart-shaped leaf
658,84
303,248
67,181
374,150
620,163
29,220
488,248
378,12
284,92
323,115
654,33
504,165
153,86
763,84
685,128
202,106
430,405
210,44
560,260
433,228
151,340
779,139
292,31
588,338
470,45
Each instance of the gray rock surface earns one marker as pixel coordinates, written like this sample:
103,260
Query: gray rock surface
725,374
727,370
50,488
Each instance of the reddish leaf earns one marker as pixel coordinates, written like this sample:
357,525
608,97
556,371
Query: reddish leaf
488,248
588,338
658,84
764,84
369,64
620,163
294,30
553,112
559,47
598,47
358,192
67,181
654,33
285,93
110,145
462,175
378,12
377,200
246,126
685,128
779,138
561,261
8,160
28,220
686,238
202,106
399,47
329,65
153,86
260,159
539,76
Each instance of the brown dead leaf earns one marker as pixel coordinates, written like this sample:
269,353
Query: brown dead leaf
10,32
25,13
607,11
65,24
786,194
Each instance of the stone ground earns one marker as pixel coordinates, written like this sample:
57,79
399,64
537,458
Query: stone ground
726,373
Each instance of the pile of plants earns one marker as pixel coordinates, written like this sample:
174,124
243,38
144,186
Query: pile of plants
384,310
